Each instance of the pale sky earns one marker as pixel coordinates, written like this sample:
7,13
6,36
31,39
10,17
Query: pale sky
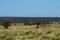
30,8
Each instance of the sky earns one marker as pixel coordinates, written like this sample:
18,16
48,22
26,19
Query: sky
30,8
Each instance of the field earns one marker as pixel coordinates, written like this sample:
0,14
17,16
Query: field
26,32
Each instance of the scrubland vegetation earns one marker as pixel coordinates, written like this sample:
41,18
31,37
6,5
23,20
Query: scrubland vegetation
27,32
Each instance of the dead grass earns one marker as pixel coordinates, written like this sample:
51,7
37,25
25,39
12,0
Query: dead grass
26,32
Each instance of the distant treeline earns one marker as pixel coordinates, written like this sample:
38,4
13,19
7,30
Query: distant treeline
31,19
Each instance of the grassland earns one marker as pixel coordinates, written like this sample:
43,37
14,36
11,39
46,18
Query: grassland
26,32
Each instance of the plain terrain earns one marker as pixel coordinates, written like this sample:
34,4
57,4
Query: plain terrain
27,32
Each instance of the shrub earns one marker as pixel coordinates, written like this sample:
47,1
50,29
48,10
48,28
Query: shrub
6,23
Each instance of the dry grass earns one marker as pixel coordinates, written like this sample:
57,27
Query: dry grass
26,32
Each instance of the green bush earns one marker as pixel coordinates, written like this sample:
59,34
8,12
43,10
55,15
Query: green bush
6,23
